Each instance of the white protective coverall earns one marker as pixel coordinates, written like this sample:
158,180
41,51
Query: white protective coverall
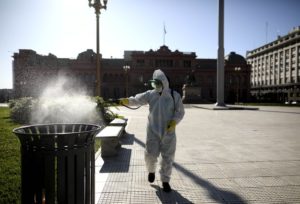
162,108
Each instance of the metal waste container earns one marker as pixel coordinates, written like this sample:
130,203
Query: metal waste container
58,163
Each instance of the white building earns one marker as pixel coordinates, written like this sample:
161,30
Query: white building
275,69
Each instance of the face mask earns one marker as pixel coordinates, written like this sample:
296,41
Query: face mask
157,87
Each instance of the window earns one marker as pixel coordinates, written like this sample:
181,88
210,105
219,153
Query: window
293,79
140,62
163,63
287,53
187,63
210,93
287,80
116,92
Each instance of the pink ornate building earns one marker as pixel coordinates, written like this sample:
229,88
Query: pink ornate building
32,72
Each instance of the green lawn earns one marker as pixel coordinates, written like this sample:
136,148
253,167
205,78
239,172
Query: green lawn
10,174
10,171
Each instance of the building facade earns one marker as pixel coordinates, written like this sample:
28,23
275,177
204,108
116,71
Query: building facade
275,73
33,72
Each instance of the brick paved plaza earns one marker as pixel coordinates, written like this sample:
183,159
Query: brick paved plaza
223,156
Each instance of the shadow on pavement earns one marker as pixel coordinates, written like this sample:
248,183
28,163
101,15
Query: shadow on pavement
172,197
139,142
119,163
275,111
127,139
217,194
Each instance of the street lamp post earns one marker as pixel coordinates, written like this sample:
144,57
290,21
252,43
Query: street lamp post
97,5
126,69
237,69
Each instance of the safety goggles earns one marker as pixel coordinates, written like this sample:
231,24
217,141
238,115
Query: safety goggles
156,83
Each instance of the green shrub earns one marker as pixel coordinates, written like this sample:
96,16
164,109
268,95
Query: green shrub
103,108
21,109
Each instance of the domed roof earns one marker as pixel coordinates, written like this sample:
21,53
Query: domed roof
234,58
86,55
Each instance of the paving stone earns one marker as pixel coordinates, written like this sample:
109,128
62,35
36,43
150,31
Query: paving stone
140,176
137,168
143,186
292,180
272,181
223,183
114,197
111,187
147,197
120,177
247,182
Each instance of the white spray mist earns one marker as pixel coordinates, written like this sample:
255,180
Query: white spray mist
62,101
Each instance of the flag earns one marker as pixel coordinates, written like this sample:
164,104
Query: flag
165,31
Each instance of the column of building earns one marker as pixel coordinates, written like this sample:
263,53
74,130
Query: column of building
263,79
297,63
290,65
293,64
269,62
284,67
277,74
274,54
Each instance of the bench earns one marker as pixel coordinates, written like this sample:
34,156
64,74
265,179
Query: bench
110,142
119,122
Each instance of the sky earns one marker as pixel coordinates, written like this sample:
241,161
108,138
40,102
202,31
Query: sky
66,28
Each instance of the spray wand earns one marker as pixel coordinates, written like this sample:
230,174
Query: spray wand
117,102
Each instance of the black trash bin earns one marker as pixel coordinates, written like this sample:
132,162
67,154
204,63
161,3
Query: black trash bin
58,163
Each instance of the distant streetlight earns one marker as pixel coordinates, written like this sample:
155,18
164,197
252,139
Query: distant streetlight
237,69
126,69
97,5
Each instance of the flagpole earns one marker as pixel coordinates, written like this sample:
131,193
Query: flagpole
220,61
164,34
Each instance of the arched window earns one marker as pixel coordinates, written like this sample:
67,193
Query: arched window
104,78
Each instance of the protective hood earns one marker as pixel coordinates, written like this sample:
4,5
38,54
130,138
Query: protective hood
159,75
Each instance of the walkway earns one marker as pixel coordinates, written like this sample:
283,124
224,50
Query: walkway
3,104
236,156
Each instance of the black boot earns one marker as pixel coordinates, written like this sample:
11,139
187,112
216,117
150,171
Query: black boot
151,177
166,187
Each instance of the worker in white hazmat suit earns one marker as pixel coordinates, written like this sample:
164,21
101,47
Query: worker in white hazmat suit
165,112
